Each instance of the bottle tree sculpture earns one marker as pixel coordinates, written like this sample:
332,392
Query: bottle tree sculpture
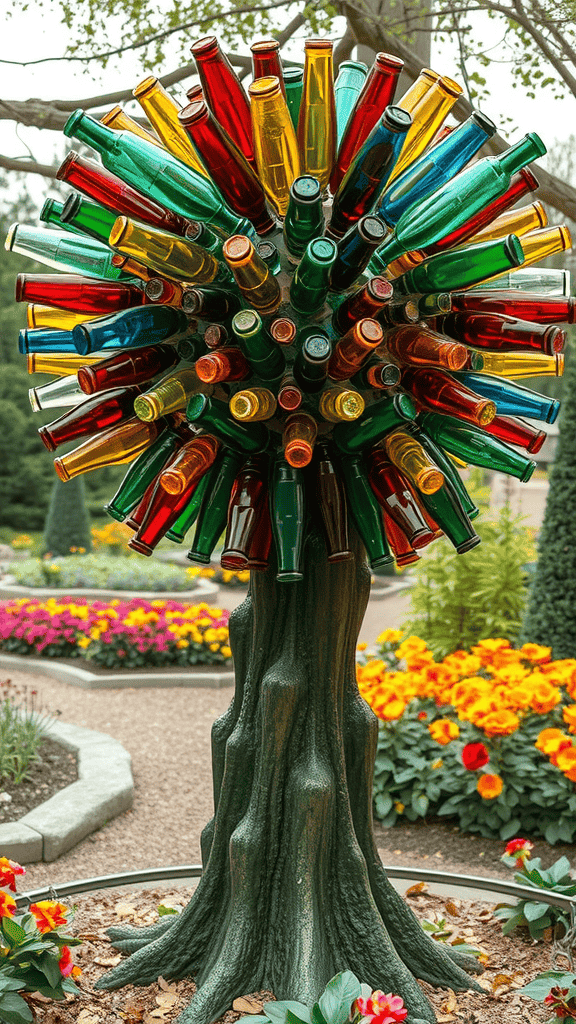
269,308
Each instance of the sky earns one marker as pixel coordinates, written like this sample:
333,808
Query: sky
31,34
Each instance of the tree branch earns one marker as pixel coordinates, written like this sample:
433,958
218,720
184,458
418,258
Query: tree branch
344,46
29,166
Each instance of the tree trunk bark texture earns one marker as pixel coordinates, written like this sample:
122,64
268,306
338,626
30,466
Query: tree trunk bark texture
293,890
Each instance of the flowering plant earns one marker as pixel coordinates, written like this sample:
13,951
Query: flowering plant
534,914
503,721
557,990
116,633
344,999
34,953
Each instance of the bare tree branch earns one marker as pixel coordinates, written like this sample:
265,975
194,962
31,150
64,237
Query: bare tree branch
28,166
344,46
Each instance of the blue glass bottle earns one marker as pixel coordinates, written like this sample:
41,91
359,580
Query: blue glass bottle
511,399
131,328
354,251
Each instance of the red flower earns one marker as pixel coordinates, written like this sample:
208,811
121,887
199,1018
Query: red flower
49,915
422,716
474,756
556,999
381,1009
65,964
520,849
8,871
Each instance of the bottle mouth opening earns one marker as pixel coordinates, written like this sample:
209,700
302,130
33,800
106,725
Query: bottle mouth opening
72,122
291,399
306,188
204,47
111,116
11,237
70,208
319,44
283,331
69,161
148,83
451,87
381,289
61,470
19,289
146,408
389,62
119,229
193,112
265,86
536,444
237,249
87,380
529,179
369,331
298,453
265,44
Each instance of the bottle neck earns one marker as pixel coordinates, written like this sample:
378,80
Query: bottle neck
95,134
520,154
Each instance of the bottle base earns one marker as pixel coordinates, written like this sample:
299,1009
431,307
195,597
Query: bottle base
289,577
467,545
197,556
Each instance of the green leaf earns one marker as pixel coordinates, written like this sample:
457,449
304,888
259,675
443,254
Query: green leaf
317,1015
533,911
512,923
560,870
540,987
164,911
13,933
14,1010
293,1018
510,828
277,1011
48,965
338,996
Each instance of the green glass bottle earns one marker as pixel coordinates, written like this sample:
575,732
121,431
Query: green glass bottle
214,416
141,473
213,512
472,444
74,254
378,420
265,357
459,199
304,218
444,463
51,213
447,511
311,364
293,84
460,268
188,517
87,217
365,511
347,88
287,514
311,280
155,172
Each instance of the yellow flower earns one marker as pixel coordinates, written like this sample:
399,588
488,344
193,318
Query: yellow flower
182,643
84,641
443,730
398,807
489,786
550,741
390,710
569,716
389,636
536,653
565,760
499,723
214,647
226,652
545,697
437,763
361,647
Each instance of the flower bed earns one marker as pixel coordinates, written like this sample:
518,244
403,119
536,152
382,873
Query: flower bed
485,737
104,572
116,634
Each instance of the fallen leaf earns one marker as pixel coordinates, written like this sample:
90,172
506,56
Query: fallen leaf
107,961
451,908
125,910
242,1005
90,937
415,890
166,986
503,981
37,997
445,1017
450,1004
167,999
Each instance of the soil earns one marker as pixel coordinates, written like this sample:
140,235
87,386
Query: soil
53,769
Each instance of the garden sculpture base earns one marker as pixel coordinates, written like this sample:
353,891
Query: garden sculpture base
293,890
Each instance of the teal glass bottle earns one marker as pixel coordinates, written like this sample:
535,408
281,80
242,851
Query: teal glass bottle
131,328
264,355
287,514
141,473
460,268
188,517
87,217
304,218
45,339
213,512
474,445
293,84
154,171
377,421
310,283
459,199
347,88
51,213
213,415
365,511
448,468
510,398
62,250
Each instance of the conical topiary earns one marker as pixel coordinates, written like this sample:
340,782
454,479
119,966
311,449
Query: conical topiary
67,524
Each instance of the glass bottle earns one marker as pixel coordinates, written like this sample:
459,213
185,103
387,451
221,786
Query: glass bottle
100,412
275,145
265,357
460,268
171,394
200,233
377,93
338,404
317,118
427,116
445,508
256,283
304,216
514,222
51,316
369,170
298,439
309,286
183,467
539,245
293,82
396,498
224,365
224,93
347,88
51,213
188,517
247,499
266,62
400,546
215,416
451,474
514,364
62,364
166,254
138,327
64,251
154,171
214,304
283,330
118,119
396,313
215,336
91,219
421,346
354,348
141,473
367,301
447,394
476,446
259,551
64,391
290,396
253,404
516,431
162,112
228,167
331,500
211,521
376,373
118,444
432,305
105,188
411,459
45,339
288,517
268,252
537,309
532,279
355,250
311,364
76,293
378,420
133,367
501,333
365,511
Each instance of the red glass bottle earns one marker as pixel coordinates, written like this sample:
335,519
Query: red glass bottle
290,396
400,546
537,309
228,168
126,368
92,416
377,93
437,390
94,181
502,333
331,505
396,498
224,94
225,364
516,431
259,551
368,301
266,61
421,346
248,496
136,517
78,294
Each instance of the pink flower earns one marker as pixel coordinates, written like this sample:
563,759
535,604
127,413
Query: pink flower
380,1008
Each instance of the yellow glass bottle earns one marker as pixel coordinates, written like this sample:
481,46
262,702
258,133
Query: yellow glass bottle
515,364
415,92
275,145
254,278
64,364
169,395
317,117
162,112
122,122
513,222
111,447
427,116
50,316
168,255
253,404
134,267
410,458
339,404
537,245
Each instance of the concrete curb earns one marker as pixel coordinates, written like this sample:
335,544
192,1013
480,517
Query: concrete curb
82,677
11,590
104,789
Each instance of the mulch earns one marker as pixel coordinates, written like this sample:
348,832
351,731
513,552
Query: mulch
53,769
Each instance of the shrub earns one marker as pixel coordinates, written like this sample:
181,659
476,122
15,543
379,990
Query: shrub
105,572
67,524
459,599
534,914
479,737
22,728
116,634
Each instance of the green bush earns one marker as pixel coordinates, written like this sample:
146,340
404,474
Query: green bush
105,572
67,525
460,599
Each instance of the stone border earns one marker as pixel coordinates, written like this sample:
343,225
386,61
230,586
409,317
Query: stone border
11,590
137,678
103,790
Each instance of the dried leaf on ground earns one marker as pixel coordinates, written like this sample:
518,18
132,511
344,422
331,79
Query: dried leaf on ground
417,890
243,1005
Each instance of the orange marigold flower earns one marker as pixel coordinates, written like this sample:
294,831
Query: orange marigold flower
8,871
569,716
550,741
443,730
565,760
7,904
489,786
545,696
49,915
390,710
536,653
499,723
